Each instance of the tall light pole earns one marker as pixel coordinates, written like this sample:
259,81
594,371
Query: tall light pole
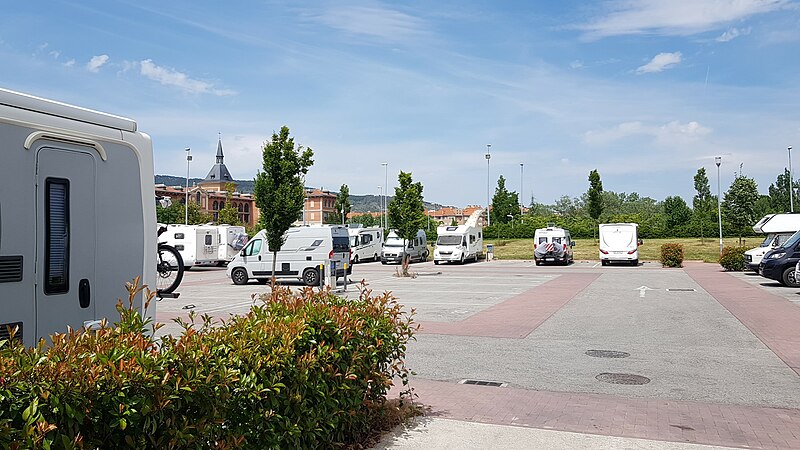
521,203
488,186
791,188
386,193
186,204
718,161
380,201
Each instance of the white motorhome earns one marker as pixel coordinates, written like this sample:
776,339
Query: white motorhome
395,248
232,239
552,245
619,242
778,229
365,243
460,243
76,180
305,250
197,244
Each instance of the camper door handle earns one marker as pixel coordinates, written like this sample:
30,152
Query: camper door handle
259,257
84,293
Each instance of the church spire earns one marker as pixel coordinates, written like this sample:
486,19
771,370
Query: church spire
220,156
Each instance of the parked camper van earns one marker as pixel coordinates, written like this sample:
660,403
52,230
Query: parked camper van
76,178
365,243
552,245
394,248
197,244
460,243
300,257
778,228
232,239
619,242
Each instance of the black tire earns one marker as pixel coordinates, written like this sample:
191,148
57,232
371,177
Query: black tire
788,278
185,268
635,263
169,269
436,262
538,263
603,262
311,277
461,261
262,280
239,276
355,259
375,257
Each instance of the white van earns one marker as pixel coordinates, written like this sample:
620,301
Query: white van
778,229
365,243
460,243
552,245
395,248
619,242
300,257
75,179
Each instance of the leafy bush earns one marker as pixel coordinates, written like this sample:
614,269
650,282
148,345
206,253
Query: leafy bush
732,258
672,255
305,370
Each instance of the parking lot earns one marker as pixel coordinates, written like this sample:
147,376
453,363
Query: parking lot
701,338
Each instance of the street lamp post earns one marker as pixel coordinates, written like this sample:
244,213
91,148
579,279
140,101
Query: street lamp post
186,204
380,201
511,216
521,203
488,186
386,193
718,161
791,187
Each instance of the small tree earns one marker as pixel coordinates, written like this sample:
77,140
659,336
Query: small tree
701,202
595,197
504,203
676,213
229,214
406,210
279,189
342,204
779,193
738,205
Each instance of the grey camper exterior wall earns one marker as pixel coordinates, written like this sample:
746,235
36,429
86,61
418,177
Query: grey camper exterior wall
77,215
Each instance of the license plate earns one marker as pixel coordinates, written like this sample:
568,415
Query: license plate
549,259
618,253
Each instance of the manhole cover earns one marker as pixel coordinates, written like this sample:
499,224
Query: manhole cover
607,354
482,383
681,290
622,378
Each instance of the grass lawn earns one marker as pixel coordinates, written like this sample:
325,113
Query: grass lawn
587,249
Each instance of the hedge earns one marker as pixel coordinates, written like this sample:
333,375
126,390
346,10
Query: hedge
732,258
301,370
672,255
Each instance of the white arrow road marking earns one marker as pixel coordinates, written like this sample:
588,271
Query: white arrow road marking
642,290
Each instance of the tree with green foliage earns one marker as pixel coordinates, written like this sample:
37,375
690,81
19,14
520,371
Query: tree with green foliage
229,214
368,220
738,205
676,213
342,203
702,202
176,214
504,203
595,195
406,210
279,189
779,193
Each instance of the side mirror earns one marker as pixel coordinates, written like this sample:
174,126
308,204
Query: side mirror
572,243
639,242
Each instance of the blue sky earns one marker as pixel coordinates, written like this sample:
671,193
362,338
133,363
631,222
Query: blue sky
645,91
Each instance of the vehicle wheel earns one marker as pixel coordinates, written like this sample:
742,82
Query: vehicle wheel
789,278
461,261
169,267
375,257
635,263
239,276
311,277
538,263
425,255
187,267
603,262
436,262
383,262
355,259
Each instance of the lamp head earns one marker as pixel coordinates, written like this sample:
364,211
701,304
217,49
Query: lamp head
718,160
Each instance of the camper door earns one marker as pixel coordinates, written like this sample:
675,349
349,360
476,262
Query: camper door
65,239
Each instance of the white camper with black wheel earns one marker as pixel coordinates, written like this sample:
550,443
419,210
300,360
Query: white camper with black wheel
366,243
619,242
76,180
460,243
552,245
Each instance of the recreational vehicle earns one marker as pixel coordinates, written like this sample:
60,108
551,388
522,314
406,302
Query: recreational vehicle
300,257
365,243
78,180
197,244
778,228
232,239
619,242
395,248
460,243
552,245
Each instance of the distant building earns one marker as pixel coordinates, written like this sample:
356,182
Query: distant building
446,215
319,207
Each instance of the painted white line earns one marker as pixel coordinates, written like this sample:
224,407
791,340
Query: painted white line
595,265
642,290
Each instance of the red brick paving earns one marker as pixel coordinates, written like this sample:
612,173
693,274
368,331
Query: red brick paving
518,316
773,319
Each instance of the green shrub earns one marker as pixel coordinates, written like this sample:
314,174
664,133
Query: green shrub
305,370
672,255
732,258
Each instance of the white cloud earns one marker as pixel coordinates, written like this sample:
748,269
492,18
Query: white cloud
96,63
675,17
55,54
171,77
733,33
577,64
660,62
69,63
382,23
666,134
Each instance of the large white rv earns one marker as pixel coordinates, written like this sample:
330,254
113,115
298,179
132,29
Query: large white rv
778,229
365,243
77,181
619,242
232,239
300,257
197,244
460,243
396,248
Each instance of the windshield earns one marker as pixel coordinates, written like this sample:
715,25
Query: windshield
341,244
394,242
449,240
353,240
792,240
767,240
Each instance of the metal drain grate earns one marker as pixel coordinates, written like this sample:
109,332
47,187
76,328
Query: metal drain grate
622,378
482,383
682,290
607,354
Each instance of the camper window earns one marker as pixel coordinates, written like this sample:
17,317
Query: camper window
57,236
447,240
353,241
209,239
543,240
556,240
472,239
366,239
341,244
